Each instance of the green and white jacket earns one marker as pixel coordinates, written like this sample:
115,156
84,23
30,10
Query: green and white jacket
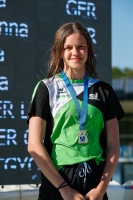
52,102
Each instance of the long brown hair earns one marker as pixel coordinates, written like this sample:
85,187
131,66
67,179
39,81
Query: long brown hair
56,62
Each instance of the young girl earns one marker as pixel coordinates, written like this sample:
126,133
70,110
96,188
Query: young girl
73,122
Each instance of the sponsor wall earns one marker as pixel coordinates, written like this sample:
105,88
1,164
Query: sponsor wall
27,29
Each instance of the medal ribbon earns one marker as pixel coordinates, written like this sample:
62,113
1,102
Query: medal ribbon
82,112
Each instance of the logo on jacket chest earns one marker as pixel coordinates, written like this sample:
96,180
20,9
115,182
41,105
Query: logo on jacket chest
61,90
62,93
94,96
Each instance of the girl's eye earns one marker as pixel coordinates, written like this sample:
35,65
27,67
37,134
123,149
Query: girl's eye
78,47
68,48
81,47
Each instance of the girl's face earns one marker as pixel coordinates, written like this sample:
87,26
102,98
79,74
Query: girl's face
75,53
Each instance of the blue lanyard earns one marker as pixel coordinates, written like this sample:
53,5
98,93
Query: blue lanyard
82,112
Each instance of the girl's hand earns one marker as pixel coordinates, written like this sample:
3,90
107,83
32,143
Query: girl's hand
68,193
94,194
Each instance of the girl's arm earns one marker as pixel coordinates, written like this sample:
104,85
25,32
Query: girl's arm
37,127
112,130
37,150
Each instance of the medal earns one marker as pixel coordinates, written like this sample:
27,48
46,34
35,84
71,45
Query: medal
82,137
82,112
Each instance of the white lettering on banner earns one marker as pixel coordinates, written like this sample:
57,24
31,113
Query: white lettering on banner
26,137
22,111
7,164
8,135
3,83
18,29
81,8
17,162
5,108
1,55
2,3
92,33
